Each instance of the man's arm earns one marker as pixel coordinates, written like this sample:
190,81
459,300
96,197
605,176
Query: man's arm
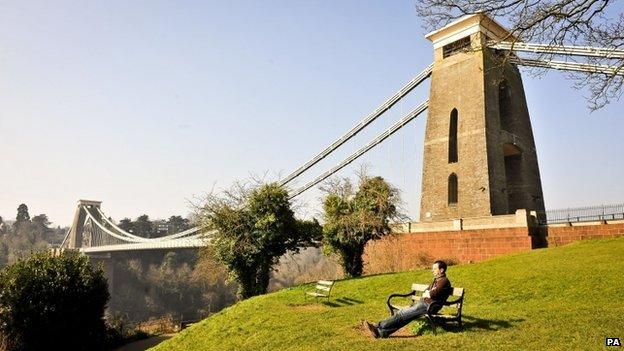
439,286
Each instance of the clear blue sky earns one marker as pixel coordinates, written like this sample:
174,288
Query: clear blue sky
144,104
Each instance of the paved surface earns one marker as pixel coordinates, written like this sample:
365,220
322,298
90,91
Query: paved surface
145,343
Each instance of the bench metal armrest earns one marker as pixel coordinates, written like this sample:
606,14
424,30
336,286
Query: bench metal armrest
448,303
392,308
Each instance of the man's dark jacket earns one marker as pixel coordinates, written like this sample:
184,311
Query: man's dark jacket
439,290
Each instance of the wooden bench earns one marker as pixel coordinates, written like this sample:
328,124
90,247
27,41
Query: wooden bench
456,300
323,289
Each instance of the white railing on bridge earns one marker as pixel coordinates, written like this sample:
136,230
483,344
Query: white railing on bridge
158,245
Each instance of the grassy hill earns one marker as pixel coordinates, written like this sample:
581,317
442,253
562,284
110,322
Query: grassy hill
562,298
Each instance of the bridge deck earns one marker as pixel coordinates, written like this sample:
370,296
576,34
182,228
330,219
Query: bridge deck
173,244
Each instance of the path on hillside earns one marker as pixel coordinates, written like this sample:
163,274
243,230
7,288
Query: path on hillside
144,344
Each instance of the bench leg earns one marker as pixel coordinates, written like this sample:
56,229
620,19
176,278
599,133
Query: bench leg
433,325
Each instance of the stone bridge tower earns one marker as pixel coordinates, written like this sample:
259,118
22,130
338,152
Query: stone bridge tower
77,229
479,155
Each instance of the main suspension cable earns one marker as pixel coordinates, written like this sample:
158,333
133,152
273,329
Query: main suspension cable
609,53
381,137
362,124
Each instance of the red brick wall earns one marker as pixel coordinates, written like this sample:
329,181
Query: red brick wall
558,236
408,251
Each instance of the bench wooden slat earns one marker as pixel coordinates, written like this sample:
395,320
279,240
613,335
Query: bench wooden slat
322,289
420,287
445,316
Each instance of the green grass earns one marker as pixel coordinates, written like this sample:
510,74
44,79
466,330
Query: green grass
562,298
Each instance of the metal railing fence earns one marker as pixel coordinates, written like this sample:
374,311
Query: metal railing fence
583,214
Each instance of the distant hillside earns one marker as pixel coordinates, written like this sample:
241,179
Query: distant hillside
561,298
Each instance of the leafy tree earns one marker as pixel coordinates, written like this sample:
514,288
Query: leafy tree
560,22
142,226
41,221
26,238
353,218
41,226
178,224
51,302
126,224
254,226
22,214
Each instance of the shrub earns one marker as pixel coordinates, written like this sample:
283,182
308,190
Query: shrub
51,302
353,218
255,226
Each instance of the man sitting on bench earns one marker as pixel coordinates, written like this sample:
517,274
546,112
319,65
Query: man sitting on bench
438,292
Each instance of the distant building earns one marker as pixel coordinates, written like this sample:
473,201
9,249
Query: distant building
162,228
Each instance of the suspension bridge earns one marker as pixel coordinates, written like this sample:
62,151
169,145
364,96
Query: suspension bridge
94,233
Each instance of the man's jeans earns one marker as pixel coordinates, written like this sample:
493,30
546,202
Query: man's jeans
401,318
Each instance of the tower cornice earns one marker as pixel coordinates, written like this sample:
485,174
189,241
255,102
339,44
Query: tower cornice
467,25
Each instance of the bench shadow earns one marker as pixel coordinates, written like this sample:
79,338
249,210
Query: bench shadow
341,302
353,300
473,323
469,323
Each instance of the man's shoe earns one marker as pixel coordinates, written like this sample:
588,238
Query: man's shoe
372,328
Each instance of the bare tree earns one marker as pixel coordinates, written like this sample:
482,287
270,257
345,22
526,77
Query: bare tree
555,22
